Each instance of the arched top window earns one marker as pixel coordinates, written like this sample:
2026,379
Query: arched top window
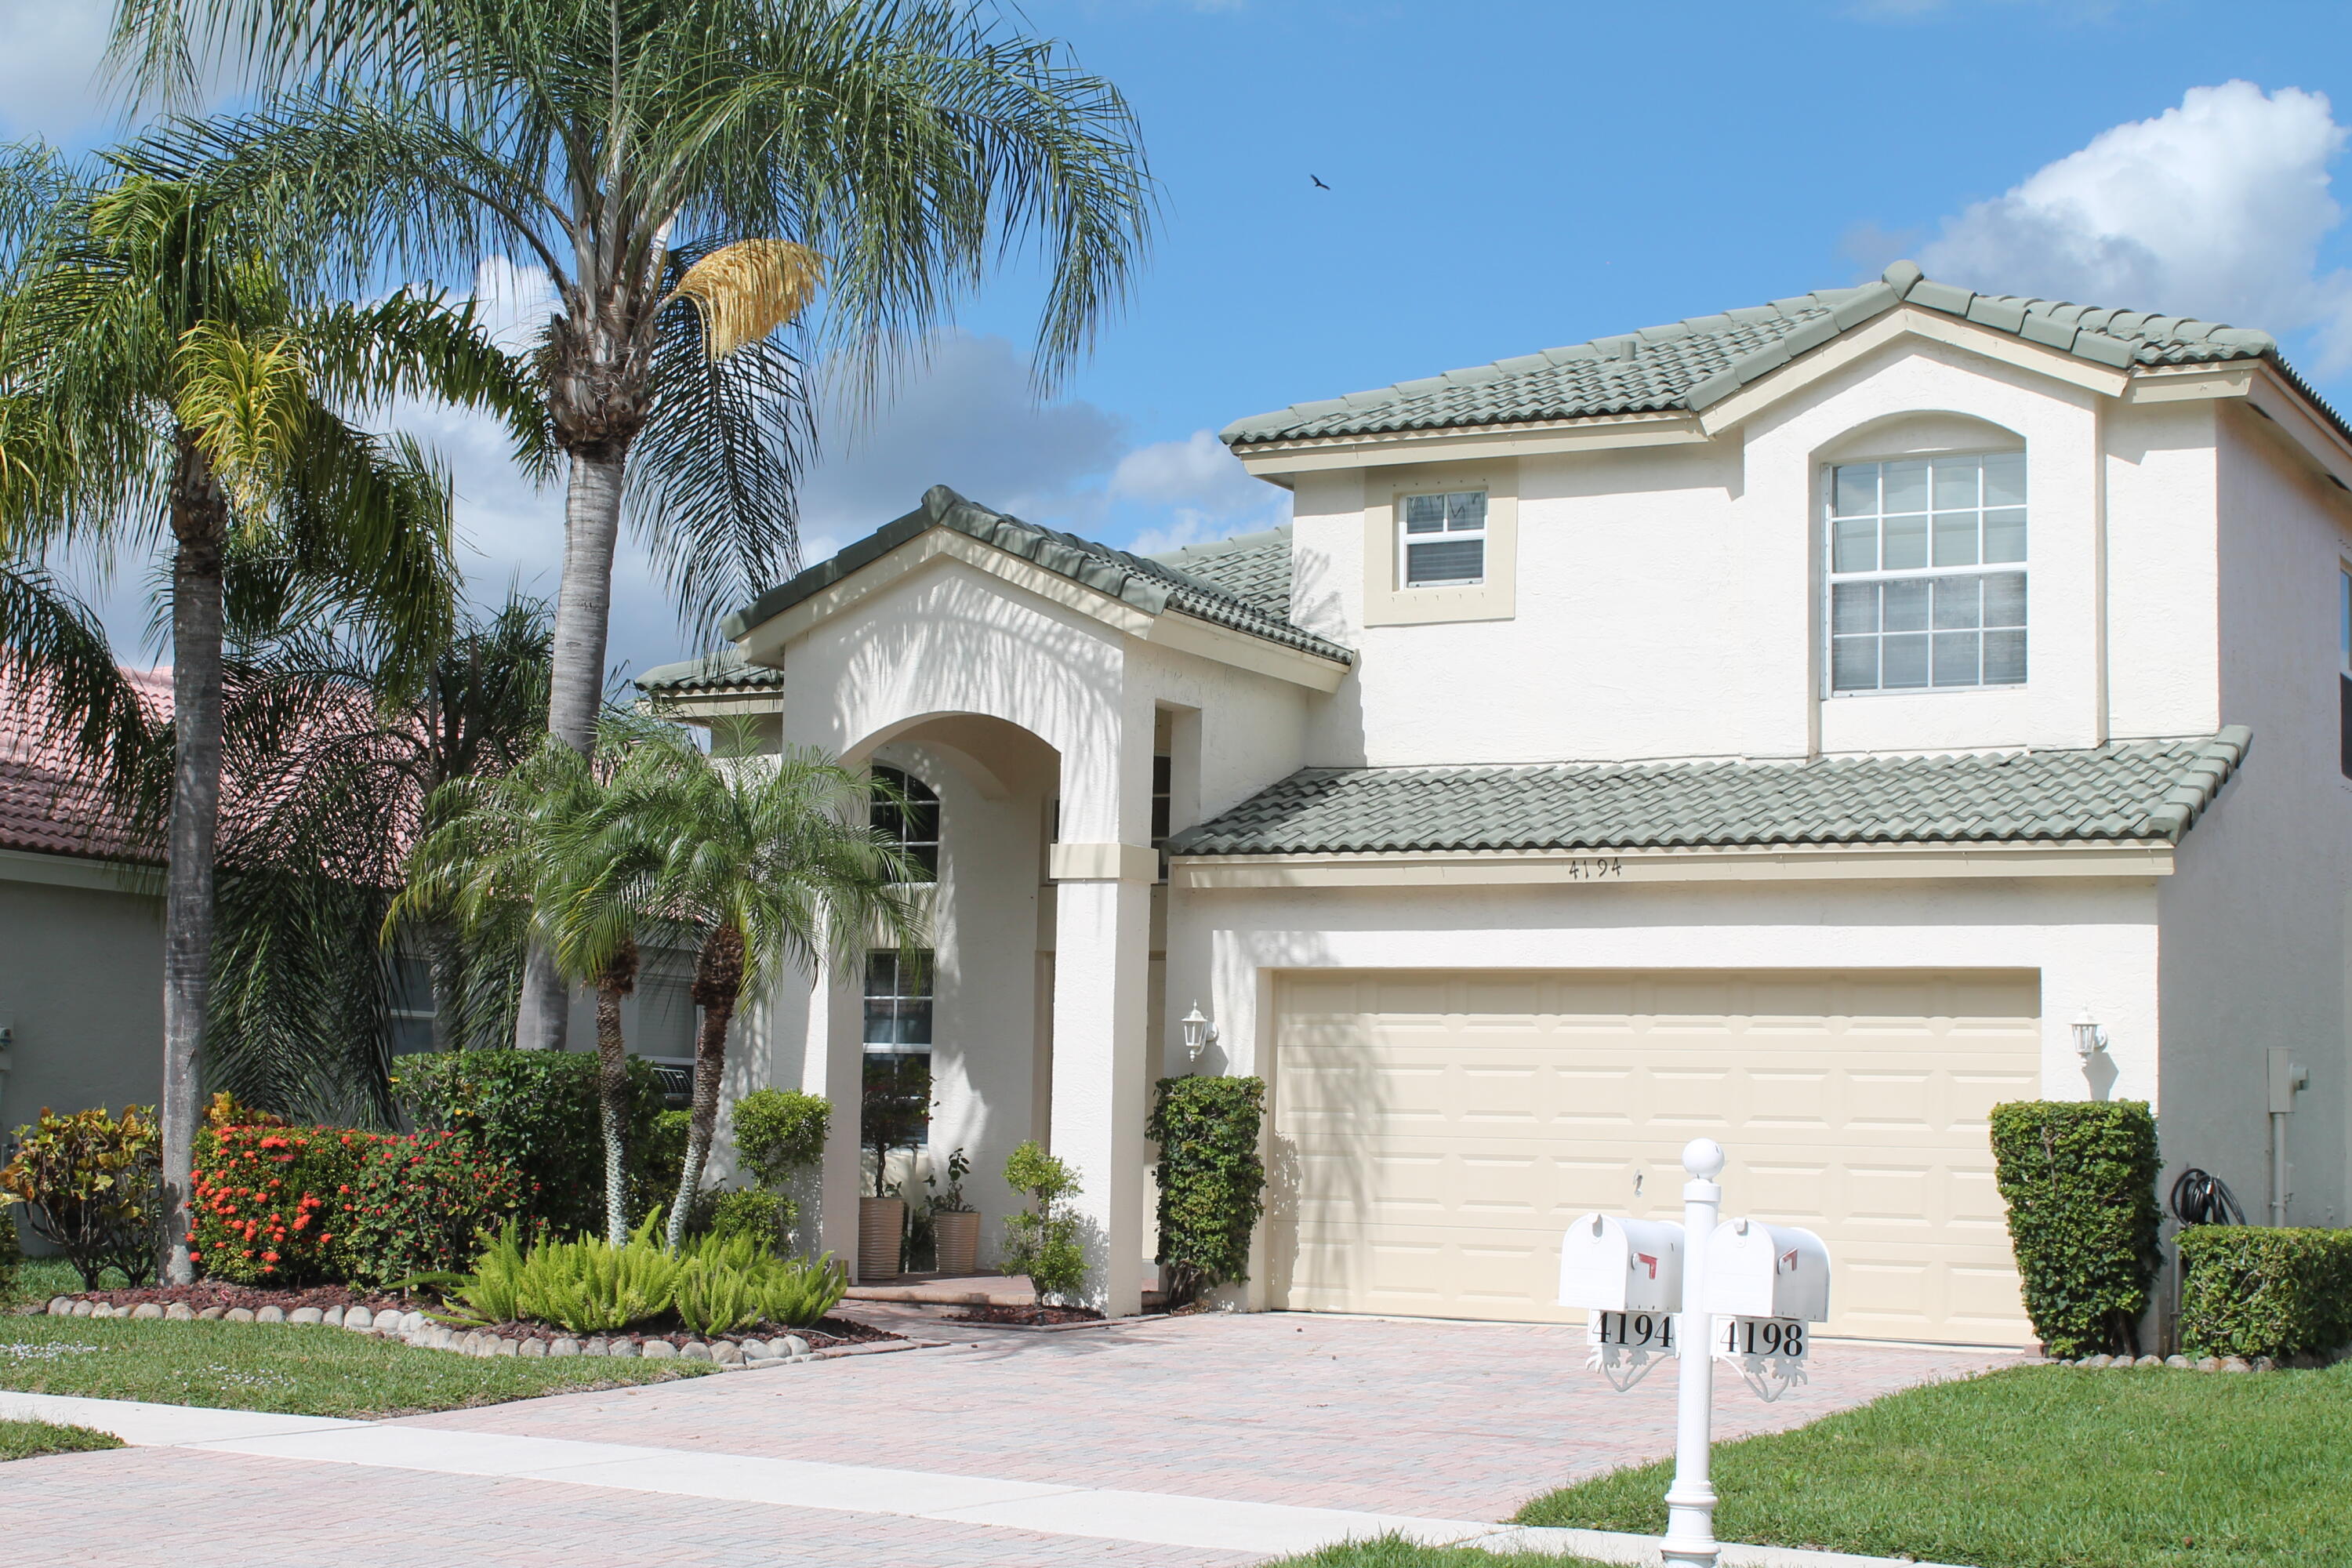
911,820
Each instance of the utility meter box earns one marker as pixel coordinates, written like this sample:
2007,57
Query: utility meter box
1759,1270
1609,1265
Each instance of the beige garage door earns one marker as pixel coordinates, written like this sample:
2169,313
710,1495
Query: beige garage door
1434,1132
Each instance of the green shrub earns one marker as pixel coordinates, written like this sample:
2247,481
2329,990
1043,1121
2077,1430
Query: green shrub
2079,1178
719,1285
2246,1290
12,1257
780,1132
1044,1244
91,1187
585,1286
728,1284
1212,1181
765,1217
539,1111
421,1203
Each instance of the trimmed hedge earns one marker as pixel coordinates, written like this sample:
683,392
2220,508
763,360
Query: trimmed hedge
2079,1178
539,1111
1212,1181
2247,1290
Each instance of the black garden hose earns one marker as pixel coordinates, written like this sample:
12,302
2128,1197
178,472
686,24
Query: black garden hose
2201,1197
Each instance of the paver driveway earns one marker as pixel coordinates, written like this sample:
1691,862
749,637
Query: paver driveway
1444,1420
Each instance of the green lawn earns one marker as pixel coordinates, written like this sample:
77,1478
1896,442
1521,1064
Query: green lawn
1391,1552
282,1367
2036,1468
30,1439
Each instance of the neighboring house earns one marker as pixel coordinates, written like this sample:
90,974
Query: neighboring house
81,928
1784,726
81,943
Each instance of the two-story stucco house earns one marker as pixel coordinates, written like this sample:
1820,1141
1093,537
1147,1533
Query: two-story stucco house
1805,726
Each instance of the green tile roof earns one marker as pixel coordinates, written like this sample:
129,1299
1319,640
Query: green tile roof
2142,790
1687,365
1149,584
724,672
1255,565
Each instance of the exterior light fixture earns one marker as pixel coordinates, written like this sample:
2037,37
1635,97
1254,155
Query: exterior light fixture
1199,1033
2089,1038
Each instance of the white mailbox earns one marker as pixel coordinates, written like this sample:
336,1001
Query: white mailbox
1759,1270
1609,1265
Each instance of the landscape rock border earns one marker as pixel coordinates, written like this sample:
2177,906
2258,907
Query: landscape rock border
728,1353
2177,1362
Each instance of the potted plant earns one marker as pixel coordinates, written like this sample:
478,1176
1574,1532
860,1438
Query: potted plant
955,1224
897,1096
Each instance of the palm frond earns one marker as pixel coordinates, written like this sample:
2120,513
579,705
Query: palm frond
745,291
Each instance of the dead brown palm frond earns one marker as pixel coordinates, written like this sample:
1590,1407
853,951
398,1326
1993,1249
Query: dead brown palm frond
745,291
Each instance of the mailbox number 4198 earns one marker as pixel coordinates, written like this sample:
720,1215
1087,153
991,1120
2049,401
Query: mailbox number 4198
1783,1337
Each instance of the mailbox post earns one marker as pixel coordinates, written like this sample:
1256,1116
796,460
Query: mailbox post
1690,1501
1656,1288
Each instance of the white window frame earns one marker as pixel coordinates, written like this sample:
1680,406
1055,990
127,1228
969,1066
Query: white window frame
1830,577
1482,534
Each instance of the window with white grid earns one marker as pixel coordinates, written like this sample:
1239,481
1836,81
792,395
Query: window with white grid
1443,540
1926,573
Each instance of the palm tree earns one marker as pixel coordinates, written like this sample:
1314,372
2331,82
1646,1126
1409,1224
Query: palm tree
687,173
164,371
759,862
519,856
328,788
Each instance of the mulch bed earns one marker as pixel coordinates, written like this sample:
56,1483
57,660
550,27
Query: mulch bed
1026,1317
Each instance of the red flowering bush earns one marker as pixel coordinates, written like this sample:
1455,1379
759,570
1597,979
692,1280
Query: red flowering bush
416,1204
266,1202
292,1205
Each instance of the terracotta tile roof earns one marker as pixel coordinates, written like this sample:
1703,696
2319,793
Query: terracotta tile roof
46,806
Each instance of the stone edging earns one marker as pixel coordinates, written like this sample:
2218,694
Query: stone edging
421,1332
2187,1364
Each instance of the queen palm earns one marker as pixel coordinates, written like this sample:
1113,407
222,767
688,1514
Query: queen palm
687,173
169,375
758,863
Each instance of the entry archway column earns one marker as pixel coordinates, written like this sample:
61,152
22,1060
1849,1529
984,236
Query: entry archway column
1101,976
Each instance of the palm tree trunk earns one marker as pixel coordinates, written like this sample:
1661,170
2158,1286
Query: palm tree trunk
199,522
575,694
613,1088
718,982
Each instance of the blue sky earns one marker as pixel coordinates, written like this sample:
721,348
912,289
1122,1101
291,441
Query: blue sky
1510,177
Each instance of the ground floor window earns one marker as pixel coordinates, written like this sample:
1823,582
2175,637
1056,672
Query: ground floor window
898,1097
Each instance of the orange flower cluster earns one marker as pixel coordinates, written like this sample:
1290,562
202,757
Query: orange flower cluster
287,1206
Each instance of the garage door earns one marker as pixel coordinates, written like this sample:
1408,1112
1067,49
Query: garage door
1435,1132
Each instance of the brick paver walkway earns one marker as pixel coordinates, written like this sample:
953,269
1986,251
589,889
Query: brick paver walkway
1455,1421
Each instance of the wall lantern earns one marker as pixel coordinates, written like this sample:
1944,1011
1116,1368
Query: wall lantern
1199,1033
2089,1038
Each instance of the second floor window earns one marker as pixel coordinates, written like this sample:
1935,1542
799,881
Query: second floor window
1443,540
1926,573
911,820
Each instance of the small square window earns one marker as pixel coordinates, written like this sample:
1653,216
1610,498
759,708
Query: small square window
1441,540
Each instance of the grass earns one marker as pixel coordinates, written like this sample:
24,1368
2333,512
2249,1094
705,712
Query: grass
284,1368
30,1439
2034,1467
1393,1551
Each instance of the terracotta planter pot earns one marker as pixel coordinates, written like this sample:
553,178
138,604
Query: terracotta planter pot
957,1237
880,1224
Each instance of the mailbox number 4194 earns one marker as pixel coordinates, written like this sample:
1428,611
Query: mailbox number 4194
1783,1337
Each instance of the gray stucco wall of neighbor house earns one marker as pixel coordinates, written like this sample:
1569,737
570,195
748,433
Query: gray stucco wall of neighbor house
81,987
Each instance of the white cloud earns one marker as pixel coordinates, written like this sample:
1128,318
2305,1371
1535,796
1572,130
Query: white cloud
49,70
2216,208
1200,486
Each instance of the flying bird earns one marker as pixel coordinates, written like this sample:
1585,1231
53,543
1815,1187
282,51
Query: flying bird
1318,182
